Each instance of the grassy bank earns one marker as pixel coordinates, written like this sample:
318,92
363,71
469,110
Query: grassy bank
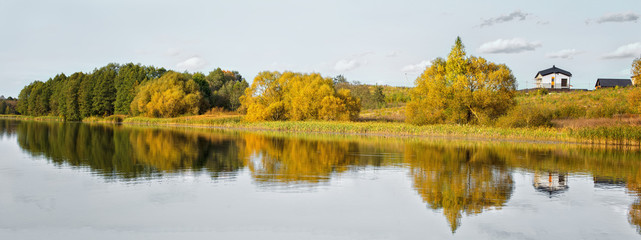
32,118
620,135
374,128
366,128
386,122
585,104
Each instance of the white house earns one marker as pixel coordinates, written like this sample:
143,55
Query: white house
553,78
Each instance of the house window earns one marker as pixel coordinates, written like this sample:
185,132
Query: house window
564,82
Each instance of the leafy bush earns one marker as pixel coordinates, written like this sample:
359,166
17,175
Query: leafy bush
296,96
114,119
542,92
526,116
169,96
634,99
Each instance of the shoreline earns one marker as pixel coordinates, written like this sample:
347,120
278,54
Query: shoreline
545,135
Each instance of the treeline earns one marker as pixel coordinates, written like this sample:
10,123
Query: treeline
374,96
459,89
8,105
131,89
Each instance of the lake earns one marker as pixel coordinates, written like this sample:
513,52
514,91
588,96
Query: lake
84,181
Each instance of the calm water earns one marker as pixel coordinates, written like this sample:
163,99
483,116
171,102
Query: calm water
80,181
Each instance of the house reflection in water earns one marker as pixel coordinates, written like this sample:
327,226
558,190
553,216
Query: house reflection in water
609,182
550,182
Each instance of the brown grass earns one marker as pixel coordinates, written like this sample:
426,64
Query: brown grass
219,111
617,120
390,114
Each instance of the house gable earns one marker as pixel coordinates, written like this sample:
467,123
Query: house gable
552,70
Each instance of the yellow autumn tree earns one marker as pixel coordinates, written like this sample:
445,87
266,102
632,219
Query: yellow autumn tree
169,96
461,90
275,96
636,71
634,97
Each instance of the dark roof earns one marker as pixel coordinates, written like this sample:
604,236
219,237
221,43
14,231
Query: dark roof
612,82
552,70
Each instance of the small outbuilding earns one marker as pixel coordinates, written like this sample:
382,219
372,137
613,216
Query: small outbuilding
553,78
612,82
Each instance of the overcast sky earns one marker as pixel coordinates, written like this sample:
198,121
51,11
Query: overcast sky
384,42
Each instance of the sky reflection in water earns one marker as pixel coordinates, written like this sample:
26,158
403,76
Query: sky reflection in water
174,182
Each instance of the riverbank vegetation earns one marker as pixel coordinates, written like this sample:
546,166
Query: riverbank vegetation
8,105
112,89
463,96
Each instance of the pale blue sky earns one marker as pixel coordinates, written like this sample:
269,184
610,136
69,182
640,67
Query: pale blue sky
381,42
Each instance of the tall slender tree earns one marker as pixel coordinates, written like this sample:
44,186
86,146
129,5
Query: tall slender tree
85,96
636,71
104,90
3,107
57,101
72,96
129,77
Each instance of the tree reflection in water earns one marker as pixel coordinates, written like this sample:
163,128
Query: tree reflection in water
118,152
457,177
634,215
291,161
459,180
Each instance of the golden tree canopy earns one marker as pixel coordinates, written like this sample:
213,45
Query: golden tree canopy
275,96
461,90
636,71
168,96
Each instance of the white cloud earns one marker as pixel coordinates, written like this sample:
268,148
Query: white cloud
515,45
191,64
626,51
565,53
516,15
346,65
618,17
416,68
353,62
